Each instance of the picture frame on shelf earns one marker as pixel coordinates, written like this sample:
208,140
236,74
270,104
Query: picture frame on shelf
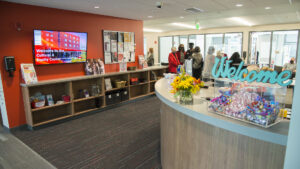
108,85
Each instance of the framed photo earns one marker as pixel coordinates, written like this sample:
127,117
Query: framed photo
108,85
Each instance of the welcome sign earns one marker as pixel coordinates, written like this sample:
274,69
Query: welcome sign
283,79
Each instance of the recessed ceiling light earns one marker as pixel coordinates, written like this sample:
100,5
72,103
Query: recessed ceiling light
96,7
239,5
181,17
152,30
184,25
150,16
242,21
267,8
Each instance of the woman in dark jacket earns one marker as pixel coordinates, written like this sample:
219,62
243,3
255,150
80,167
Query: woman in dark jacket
197,62
236,59
181,53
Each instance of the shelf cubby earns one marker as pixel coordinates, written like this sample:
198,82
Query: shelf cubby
156,74
79,85
88,105
44,116
56,90
138,90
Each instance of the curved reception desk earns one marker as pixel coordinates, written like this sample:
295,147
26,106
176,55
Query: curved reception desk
193,138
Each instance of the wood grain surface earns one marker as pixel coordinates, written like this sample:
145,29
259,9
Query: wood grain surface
187,143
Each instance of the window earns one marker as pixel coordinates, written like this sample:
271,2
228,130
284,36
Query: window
165,45
198,40
233,43
215,40
192,39
260,44
183,39
176,41
284,47
145,46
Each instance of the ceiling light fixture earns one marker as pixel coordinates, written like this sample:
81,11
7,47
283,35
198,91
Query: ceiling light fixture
267,8
96,7
152,30
150,16
184,25
242,21
239,5
181,17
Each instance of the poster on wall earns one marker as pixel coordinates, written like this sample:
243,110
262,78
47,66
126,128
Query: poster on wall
120,42
94,67
132,57
114,41
106,36
107,58
123,66
120,57
127,56
132,44
114,56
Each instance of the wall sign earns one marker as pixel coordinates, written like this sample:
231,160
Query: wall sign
283,79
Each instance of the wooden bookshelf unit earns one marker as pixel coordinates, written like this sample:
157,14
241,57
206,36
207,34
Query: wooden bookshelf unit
79,105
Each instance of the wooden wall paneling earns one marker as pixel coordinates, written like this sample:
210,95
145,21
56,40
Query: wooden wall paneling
27,105
189,143
70,93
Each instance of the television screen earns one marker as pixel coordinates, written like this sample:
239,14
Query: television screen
56,47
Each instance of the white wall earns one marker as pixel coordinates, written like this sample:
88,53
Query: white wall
3,105
152,37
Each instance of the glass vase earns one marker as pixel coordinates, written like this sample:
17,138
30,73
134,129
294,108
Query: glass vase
186,97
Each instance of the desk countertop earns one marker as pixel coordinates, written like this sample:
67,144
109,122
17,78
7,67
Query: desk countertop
199,110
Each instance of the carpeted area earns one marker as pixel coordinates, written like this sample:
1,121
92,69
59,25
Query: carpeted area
125,137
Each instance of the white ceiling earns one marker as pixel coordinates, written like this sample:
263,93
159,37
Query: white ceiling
216,12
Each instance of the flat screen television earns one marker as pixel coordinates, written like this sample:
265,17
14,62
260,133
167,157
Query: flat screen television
57,47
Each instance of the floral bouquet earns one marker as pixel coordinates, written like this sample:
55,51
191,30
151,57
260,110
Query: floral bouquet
185,86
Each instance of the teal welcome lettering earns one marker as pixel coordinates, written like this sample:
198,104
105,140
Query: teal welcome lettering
223,69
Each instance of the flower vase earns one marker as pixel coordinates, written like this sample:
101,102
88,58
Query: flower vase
186,97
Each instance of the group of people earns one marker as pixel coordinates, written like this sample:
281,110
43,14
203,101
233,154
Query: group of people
201,68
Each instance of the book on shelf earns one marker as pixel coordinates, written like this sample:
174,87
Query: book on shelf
28,73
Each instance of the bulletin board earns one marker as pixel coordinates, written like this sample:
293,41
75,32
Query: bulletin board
118,46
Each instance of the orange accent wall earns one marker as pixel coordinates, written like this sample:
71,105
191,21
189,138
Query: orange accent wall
19,44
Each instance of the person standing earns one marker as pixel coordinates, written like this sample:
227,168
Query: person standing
209,63
291,66
173,61
150,57
181,53
236,59
189,52
197,62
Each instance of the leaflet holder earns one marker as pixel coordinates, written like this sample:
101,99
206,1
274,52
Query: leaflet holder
10,66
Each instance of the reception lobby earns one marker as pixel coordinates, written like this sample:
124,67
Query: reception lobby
149,84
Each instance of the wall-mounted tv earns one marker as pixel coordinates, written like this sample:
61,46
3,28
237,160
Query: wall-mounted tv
56,47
